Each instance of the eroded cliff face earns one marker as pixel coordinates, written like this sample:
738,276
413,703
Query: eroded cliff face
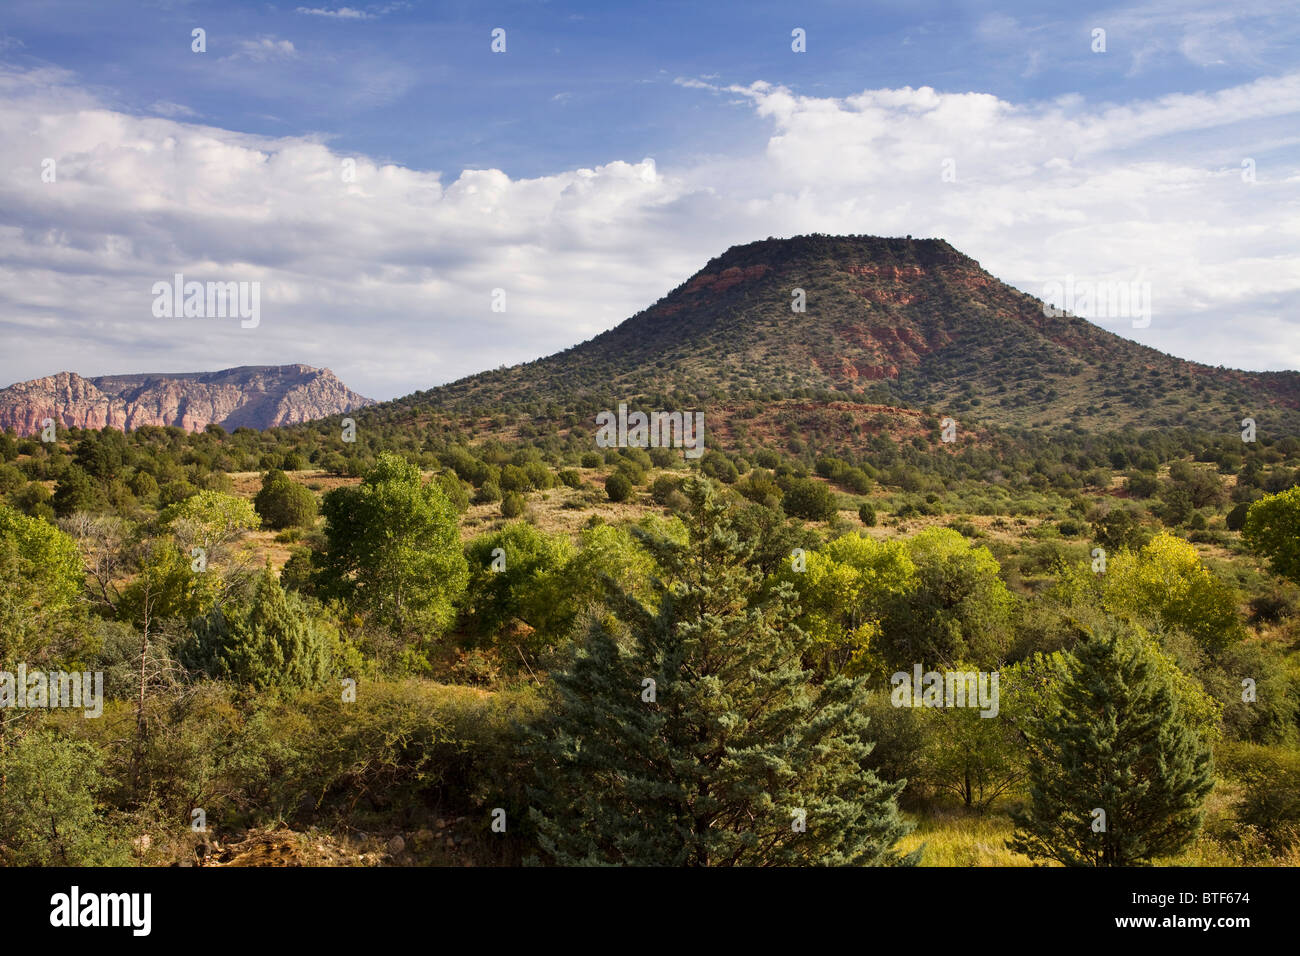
250,396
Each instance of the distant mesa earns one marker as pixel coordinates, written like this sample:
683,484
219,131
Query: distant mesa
251,396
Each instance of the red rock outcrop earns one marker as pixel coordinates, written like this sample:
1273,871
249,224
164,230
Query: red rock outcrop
250,396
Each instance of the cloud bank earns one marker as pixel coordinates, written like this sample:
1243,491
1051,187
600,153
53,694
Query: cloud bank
386,274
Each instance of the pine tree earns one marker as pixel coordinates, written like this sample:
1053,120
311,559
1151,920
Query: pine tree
1121,742
732,756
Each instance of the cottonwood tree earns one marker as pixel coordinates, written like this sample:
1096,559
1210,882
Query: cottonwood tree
393,549
693,735
1272,530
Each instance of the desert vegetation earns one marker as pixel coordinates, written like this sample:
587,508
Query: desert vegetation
490,642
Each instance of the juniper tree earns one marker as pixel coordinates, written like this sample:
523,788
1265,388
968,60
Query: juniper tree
691,734
1121,741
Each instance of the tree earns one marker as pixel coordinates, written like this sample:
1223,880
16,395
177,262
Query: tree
1235,520
732,756
519,572
1272,531
75,492
42,572
393,549
1166,582
101,453
1175,505
959,608
209,520
844,590
1118,771
165,587
1118,528
283,503
274,640
969,755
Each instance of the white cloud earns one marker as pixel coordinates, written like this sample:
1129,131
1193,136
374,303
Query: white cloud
388,278
263,49
351,13
342,13
170,109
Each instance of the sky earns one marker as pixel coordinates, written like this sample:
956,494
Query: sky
415,205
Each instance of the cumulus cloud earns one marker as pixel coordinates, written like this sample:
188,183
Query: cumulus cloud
386,273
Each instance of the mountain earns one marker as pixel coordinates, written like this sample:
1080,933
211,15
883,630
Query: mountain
896,322
253,396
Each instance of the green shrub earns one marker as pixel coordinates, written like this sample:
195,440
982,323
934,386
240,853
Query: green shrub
513,505
284,504
618,487
809,499
1270,781
50,805
275,640
487,493
662,489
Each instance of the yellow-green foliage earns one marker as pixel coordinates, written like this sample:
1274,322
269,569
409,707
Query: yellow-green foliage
42,578
1167,579
210,518
1165,585
843,592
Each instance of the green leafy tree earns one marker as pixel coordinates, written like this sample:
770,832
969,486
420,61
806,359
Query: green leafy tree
844,590
959,609
41,568
393,549
809,499
1120,742
454,489
971,756
1272,530
164,585
520,572
737,758
209,520
1118,528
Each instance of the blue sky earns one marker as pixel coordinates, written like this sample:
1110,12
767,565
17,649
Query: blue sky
607,154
